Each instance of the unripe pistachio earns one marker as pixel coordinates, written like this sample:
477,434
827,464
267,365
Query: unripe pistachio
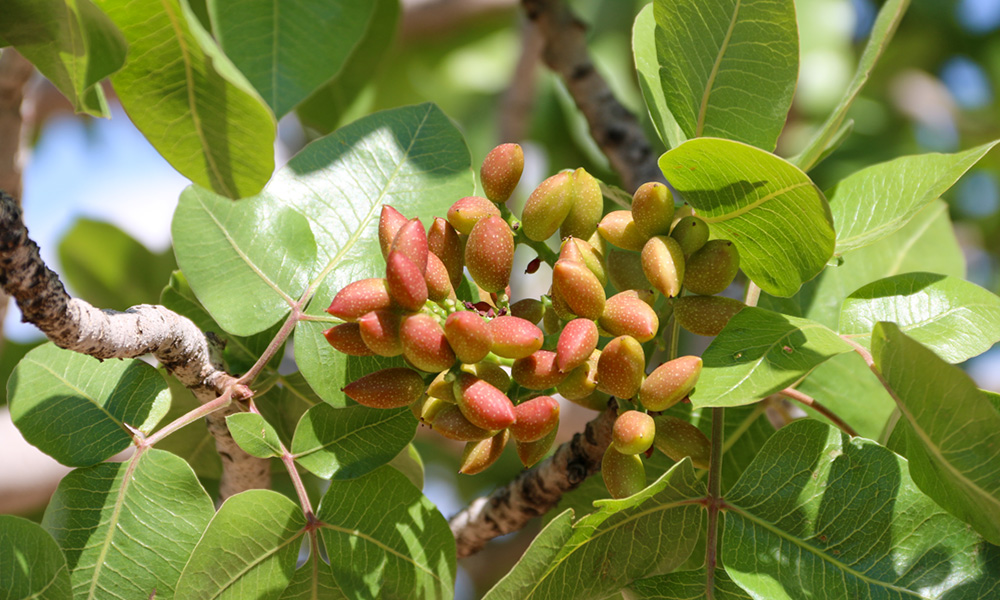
596,400
444,242
501,171
677,438
466,212
477,456
632,432
621,367
468,335
559,306
691,233
626,313
580,288
624,474
577,250
711,269
389,388
482,404
346,338
360,297
551,322
547,206
663,264
411,240
577,342
491,373
532,452
529,309
684,210
389,223
537,371
588,206
705,315
489,254
618,228
407,284
424,343
670,382
514,337
438,279
645,295
536,418
653,209
625,270
581,382
448,420
441,388
380,332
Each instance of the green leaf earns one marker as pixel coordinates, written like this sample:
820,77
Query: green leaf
926,243
254,435
396,547
686,585
885,25
954,440
821,515
623,540
12,354
313,581
772,211
880,199
954,318
188,99
128,528
192,443
71,42
32,564
759,353
327,370
285,402
75,408
288,50
343,443
648,73
846,386
728,68
109,268
535,561
248,550
409,463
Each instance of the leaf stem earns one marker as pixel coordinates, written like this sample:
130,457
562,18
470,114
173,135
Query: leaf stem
752,294
814,404
714,499
202,411
289,461
272,348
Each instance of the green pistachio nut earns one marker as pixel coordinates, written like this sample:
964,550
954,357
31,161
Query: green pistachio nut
478,456
491,373
663,265
536,418
531,452
588,206
444,242
529,309
677,438
466,212
624,474
389,388
580,251
653,209
691,233
489,254
514,337
618,228
538,371
625,270
705,315
711,269
633,432
447,419
424,343
670,382
501,170
548,206
626,313
579,288
621,367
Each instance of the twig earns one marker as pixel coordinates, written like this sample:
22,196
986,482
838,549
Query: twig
535,491
612,126
814,404
517,101
174,340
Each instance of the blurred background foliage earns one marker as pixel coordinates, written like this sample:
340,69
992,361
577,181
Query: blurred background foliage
935,90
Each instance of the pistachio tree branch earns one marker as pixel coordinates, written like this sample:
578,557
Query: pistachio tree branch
535,491
174,340
613,127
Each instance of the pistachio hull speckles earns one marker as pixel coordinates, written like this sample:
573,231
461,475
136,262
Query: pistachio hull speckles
587,208
711,269
469,336
536,418
670,382
632,432
489,254
531,452
514,337
620,368
537,371
500,172
491,373
407,284
380,332
482,404
360,297
547,207
626,313
663,265
578,288
411,241
653,209
438,279
691,234
529,309
424,343
625,270
449,422
677,438
346,338
478,456
388,388
444,242
624,474
705,315
577,342
389,223
577,250
618,228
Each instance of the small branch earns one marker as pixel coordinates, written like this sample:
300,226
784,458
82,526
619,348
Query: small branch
814,404
612,126
752,294
174,340
535,491
714,499
517,101
184,420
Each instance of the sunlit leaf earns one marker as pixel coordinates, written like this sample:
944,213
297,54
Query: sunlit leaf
31,562
254,435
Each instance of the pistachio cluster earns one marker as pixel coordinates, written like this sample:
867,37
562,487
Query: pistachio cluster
465,357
